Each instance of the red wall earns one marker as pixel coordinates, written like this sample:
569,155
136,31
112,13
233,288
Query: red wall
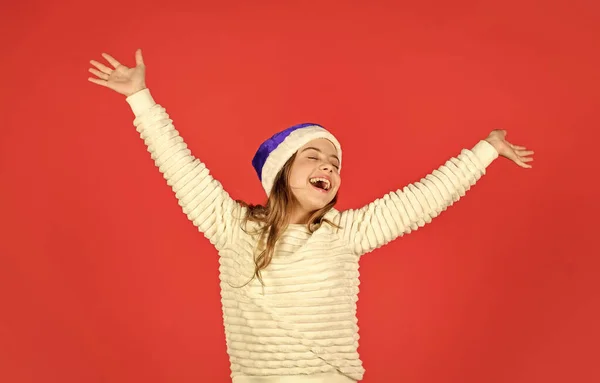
103,279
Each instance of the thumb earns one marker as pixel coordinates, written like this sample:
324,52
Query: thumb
139,60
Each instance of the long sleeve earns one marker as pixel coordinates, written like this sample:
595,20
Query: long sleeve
404,210
201,197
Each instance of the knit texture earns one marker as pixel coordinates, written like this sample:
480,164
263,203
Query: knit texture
303,321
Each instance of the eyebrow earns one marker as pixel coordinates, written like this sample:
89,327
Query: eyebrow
320,151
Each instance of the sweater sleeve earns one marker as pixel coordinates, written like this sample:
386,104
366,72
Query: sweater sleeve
207,205
401,211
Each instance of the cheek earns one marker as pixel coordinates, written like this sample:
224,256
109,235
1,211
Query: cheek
298,176
338,181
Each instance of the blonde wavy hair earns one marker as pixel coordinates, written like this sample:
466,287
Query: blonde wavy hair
273,218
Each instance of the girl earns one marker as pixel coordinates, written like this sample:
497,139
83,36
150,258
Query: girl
289,269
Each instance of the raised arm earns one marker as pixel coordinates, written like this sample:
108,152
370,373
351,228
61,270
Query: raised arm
201,197
406,209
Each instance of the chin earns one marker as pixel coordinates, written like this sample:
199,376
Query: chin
311,201
314,208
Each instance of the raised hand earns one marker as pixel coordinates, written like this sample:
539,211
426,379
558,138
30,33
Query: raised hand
120,78
518,154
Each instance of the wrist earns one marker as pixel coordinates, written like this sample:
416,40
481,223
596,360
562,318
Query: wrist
136,90
494,142
485,152
141,101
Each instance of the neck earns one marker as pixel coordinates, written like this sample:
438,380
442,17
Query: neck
299,216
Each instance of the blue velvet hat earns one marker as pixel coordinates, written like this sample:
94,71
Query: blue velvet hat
272,154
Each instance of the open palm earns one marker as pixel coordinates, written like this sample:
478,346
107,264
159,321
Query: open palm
518,154
121,79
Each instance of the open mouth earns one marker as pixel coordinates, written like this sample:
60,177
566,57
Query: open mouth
321,184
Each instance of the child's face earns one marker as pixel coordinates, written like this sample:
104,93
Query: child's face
316,160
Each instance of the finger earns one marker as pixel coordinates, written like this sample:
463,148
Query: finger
524,153
139,59
101,75
517,147
100,66
111,60
526,159
98,81
521,163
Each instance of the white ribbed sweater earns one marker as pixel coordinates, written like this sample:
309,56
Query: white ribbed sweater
302,323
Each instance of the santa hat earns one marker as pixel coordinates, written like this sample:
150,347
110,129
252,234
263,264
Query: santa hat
277,150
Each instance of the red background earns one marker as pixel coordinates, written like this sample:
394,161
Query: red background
103,279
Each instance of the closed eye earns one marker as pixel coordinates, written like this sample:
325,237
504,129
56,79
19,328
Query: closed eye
315,158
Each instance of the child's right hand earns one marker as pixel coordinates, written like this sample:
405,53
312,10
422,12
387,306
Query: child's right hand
121,79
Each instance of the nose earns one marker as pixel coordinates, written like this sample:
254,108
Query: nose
327,167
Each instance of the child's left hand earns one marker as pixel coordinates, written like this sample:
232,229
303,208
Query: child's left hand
518,154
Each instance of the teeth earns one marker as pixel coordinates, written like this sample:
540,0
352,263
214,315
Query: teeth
325,181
